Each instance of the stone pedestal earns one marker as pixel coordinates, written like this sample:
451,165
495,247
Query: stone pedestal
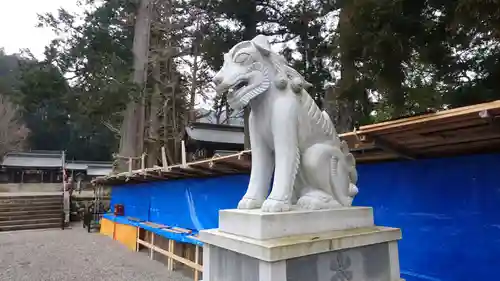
328,245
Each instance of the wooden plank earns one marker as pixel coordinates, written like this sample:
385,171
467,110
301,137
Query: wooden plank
412,141
443,125
407,139
432,116
151,175
229,166
182,230
373,157
430,122
196,261
107,227
127,235
187,171
138,237
171,230
171,255
178,171
463,146
170,250
151,251
207,169
394,148
155,225
453,141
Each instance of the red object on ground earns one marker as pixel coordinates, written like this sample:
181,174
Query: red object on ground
119,211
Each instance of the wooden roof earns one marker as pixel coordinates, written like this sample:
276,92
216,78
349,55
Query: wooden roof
465,130
238,163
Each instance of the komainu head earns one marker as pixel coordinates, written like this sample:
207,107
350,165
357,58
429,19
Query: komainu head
250,68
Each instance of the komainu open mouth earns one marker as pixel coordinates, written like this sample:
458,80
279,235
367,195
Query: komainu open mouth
238,86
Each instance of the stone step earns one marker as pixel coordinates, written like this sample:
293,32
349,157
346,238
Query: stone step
32,204
5,209
30,201
31,221
29,197
30,226
30,215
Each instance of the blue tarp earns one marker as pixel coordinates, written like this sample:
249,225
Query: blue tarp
180,237
188,203
448,210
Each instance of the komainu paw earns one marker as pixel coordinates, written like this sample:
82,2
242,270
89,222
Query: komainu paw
273,206
313,203
249,203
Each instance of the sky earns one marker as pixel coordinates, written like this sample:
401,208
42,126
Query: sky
18,19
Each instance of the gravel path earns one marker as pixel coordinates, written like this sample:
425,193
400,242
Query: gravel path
74,254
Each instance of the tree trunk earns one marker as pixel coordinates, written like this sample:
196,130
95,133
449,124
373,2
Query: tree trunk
343,97
154,118
132,129
194,80
249,33
392,80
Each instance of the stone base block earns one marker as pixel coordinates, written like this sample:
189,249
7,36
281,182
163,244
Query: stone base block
363,254
258,225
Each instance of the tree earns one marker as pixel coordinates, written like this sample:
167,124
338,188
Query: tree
146,110
233,21
390,58
132,128
13,133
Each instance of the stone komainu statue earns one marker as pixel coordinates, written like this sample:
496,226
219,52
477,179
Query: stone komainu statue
289,134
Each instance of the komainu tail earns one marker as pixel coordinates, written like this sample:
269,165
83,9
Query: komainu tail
343,175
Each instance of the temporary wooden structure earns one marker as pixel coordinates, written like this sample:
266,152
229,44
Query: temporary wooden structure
173,253
176,255
465,130
238,163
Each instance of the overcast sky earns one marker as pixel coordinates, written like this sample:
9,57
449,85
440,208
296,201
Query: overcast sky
17,24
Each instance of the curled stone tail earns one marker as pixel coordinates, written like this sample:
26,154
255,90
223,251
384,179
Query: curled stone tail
340,179
296,166
318,117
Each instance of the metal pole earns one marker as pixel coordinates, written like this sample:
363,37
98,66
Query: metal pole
66,199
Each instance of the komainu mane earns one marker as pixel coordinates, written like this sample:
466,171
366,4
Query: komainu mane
289,134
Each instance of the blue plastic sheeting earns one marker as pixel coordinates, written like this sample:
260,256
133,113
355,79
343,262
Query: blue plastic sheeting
449,212
180,237
188,203
136,200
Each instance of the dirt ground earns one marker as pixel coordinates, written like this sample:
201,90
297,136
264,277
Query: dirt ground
74,254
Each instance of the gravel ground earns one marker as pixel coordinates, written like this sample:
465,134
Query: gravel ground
74,254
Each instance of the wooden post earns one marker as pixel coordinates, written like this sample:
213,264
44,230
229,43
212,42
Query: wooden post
197,261
151,250
137,237
130,165
143,161
183,153
171,249
164,162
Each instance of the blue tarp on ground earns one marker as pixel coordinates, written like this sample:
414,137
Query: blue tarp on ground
180,237
448,209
